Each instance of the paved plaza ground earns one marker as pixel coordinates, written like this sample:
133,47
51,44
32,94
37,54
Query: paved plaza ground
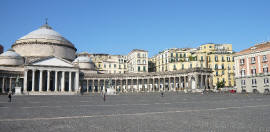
148,112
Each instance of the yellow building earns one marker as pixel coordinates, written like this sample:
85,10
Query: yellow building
219,57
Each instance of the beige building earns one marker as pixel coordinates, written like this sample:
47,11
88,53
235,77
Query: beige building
137,61
111,64
218,57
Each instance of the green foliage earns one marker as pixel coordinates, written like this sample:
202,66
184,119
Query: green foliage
220,84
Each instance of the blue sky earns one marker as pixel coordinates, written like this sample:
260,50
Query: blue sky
118,26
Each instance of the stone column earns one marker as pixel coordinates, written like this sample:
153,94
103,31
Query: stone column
69,81
185,83
87,86
40,80
77,81
24,81
143,85
159,84
174,83
170,87
211,82
196,81
10,80
48,80
201,85
126,85
132,85
3,85
153,84
93,86
63,82
121,85
148,84
206,82
104,85
115,85
164,83
56,81
98,86
137,88
33,80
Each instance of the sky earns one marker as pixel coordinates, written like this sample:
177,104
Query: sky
118,26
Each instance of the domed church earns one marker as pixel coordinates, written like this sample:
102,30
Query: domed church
41,62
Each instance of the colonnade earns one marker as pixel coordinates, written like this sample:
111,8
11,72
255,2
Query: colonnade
174,82
7,84
39,80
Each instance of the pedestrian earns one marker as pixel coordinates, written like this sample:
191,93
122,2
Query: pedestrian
162,94
9,96
104,97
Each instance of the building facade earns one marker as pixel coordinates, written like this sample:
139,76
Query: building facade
252,69
137,61
44,62
218,57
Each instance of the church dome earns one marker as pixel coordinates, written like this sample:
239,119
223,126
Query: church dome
84,62
10,57
82,59
45,42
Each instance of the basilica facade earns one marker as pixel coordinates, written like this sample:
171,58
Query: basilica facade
44,62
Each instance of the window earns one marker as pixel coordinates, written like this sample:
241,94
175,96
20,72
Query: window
222,66
98,65
254,82
253,71
144,69
184,54
183,66
253,60
265,70
243,82
216,73
104,65
264,58
201,58
228,59
171,54
144,62
266,81
110,65
114,65
138,55
138,61
216,58
210,46
174,67
242,61
223,59
120,67
139,68
190,65
223,73
243,71
216,66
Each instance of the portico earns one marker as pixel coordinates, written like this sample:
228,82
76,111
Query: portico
190,80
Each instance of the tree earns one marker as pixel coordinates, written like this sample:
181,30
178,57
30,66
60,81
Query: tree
220,85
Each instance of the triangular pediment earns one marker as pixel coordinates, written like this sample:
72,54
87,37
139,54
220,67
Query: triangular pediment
53,61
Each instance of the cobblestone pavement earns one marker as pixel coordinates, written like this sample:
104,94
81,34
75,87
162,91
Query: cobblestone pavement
142,112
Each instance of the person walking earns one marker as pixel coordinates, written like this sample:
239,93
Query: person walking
9,97
104,97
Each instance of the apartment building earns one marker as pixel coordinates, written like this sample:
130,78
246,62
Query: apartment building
252,69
